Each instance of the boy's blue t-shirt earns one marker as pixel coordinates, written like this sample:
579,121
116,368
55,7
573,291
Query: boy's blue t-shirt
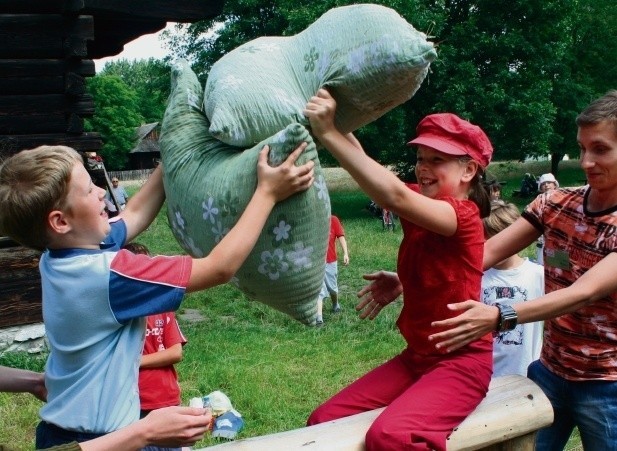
94,308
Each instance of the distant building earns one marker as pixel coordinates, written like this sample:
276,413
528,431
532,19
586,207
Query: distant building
147,152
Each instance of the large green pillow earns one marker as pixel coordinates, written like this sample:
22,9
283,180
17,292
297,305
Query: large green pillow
208,185
368,55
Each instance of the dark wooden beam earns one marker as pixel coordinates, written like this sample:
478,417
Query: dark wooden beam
45,103
45,67
44,35
20,297
171,11
71,84
112,34
11,144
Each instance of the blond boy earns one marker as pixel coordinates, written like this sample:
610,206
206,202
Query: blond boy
95,295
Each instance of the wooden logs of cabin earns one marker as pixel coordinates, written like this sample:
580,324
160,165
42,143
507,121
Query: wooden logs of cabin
47,49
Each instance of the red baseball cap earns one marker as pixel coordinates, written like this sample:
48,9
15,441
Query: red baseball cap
448,133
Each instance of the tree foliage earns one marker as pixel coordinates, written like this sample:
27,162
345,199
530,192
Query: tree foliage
521,69
117,116
150,79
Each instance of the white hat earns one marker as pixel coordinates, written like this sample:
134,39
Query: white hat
544,178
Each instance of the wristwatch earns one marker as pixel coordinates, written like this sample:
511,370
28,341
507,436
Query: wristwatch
507,317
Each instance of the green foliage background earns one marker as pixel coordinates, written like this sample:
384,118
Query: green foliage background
521,69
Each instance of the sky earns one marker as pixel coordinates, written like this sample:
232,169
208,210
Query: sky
144,47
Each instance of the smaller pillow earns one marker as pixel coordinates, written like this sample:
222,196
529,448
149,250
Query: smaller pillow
368,55
208,185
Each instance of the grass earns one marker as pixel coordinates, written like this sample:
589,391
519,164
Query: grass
274,370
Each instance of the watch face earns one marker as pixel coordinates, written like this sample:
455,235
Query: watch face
508,317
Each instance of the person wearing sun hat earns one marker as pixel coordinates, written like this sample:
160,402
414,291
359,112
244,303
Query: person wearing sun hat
426,394
547,182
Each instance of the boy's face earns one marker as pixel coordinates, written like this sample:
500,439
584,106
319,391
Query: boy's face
598,145
85,212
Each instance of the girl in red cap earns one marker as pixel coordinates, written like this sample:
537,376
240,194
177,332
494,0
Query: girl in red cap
426,393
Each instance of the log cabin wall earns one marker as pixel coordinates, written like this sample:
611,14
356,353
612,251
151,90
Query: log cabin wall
47,49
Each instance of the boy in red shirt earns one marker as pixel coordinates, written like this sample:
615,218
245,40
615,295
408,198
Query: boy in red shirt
158,380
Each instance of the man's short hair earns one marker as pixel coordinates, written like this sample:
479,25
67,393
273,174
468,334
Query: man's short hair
33,183
600,110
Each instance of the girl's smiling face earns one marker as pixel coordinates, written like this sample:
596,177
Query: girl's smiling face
441,174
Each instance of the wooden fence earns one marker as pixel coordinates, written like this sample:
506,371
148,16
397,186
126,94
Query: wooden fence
125,176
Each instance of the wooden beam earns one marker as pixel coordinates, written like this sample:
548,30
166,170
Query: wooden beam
10,68
71,84
11,144
507,419
44,35
20,286
36,6
172,11
112,33
16,105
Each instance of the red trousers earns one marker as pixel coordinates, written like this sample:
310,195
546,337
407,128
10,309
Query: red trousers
426,398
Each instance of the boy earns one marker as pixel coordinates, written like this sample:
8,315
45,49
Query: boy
330,285
158,380
511,281
96,296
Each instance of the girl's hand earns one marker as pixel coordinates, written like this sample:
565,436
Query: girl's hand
477,320
286,179
320,111
384,288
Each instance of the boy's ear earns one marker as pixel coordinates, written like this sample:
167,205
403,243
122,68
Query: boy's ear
57,222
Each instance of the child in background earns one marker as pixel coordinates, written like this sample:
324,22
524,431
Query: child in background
330,283
509,282
546,182
426,394
158,380
95,294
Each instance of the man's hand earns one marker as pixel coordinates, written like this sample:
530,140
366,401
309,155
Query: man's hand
384,288
475,321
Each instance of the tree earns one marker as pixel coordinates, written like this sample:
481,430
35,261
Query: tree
522,70
150,79
116,118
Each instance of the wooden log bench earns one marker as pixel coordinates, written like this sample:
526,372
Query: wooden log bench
507,419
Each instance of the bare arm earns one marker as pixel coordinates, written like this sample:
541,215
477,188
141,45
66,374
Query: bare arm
381,185
15,380
509,241
143,207
159,359
169,426
274,185
478,319
343,243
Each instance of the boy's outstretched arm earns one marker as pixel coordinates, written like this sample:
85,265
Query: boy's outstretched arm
143,207
274,184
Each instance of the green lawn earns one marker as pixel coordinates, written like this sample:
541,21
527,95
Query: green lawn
274,369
